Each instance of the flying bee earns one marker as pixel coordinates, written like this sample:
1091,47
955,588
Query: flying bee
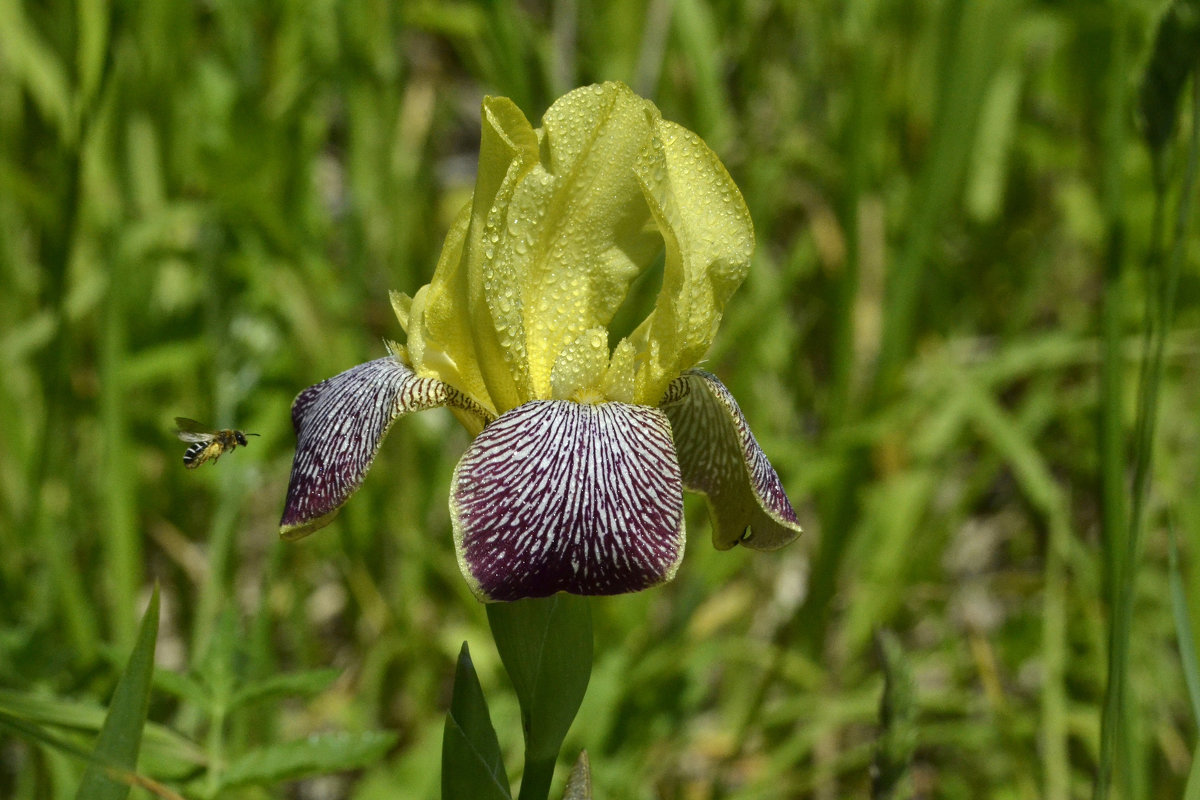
207,444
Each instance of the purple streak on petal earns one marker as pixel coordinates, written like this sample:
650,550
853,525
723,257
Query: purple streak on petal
557,496
340,424
720,457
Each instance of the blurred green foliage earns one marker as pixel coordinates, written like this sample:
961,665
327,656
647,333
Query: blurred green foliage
203,206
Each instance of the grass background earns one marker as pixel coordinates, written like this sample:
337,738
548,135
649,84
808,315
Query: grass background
203,206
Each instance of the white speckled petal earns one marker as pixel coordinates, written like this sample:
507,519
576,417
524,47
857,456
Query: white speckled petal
559,496
340,424
720,457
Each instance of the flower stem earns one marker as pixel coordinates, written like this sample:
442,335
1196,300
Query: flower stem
546,646
535,784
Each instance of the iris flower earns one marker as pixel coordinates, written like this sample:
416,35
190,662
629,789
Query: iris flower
582,445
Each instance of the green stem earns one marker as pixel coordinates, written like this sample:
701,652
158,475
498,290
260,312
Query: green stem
535,783
546,647
1159,314
1112,451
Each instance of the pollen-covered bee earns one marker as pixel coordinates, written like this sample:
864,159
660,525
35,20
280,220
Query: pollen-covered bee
207,444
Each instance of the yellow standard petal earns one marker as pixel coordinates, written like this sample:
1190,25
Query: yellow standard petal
709,237
458,314
562,220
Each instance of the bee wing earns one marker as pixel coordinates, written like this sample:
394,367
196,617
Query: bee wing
191,431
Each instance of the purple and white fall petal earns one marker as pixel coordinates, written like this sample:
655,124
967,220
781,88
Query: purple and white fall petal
559,496
720,457
340,423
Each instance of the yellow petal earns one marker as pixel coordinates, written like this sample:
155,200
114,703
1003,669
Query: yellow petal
458,315
579,370
709,237
402,305
578,227
619,380
441,343
563,219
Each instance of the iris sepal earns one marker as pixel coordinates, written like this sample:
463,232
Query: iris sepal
720,458
340,423
560,496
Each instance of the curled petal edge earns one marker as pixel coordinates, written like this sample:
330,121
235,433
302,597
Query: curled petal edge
340,424
720,458
561,496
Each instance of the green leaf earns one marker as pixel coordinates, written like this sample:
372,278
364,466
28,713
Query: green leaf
184,687
471,762
897,719
304,684
316,755
217,668
579,782
1173,57
121,737
92,24
546,646
29,714
33,63
1183,625
1192,790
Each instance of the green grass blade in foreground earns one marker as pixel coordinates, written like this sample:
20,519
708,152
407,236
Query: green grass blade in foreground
546,646
121,737
1114,106
471,762
32,732
1159,315
29,714
1192,789
1183,627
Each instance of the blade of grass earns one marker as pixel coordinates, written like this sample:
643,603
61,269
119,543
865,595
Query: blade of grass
1192,790
967,70
36,733
1112,452
693,23
316,754
1159,314
1114,303
655,28
121,737
122,539
1183,626
897,721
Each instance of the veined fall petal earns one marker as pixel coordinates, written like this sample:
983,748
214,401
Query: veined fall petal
559,496
340,424
721,458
